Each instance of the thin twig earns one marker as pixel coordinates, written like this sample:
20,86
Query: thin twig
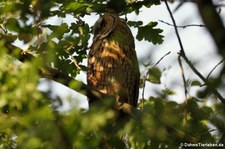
183,52
145,78
161,59
72,58
211,87
215,26
183,55
214,69
175,27
143,92
205,133
183,26
219,5
183,76
75,62
185,90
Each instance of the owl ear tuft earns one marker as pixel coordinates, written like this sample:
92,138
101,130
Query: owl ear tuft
97,25
105,25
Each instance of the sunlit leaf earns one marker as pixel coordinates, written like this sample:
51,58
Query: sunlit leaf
75,7
154,75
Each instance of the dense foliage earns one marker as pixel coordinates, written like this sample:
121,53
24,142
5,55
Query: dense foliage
29,118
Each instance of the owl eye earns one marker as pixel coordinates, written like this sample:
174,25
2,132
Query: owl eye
103,24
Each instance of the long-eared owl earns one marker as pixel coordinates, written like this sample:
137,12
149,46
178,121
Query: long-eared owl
112,61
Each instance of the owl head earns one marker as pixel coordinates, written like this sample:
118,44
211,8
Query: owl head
105,25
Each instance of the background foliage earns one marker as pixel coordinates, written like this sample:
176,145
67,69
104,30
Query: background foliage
30,118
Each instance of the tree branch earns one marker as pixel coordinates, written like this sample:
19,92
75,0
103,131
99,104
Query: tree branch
183,26
82,88
185,90
183,55
79,86
213,23
208,84
161,59
18,53
215,27
214,68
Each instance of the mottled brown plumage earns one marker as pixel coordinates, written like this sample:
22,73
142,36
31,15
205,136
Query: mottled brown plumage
112,60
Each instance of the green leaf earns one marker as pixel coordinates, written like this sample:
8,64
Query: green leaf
75,7
135,23
12,25
149,33
25,37
167,91
58,31
195,83
196,112
154,75
10,37
207,111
